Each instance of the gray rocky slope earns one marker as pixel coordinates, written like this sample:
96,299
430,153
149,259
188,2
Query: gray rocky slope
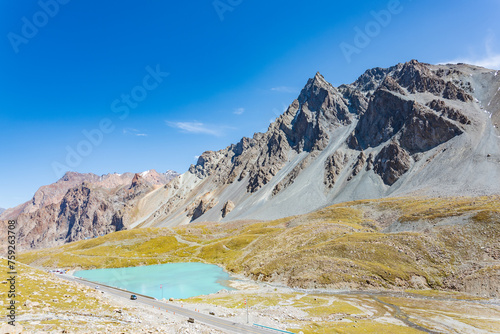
411,129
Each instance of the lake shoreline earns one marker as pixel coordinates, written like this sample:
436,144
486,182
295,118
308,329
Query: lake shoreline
169,280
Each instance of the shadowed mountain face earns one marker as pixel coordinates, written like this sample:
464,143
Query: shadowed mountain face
80,206
411,128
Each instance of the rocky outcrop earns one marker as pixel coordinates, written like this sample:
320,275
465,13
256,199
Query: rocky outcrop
385,116
485,283
136,181
426,130
201,205
227,208
371,79
390,114
320,107
391,85
358,165
418,77
82,213
418,127
333,167
369,163
449,112
392,162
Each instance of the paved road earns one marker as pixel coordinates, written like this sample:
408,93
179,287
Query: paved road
199,317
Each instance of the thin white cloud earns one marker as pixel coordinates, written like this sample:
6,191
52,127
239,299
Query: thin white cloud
196,128
490,58
491,61
134,132
239,111
284,89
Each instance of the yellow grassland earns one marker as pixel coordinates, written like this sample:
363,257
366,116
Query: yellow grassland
342,245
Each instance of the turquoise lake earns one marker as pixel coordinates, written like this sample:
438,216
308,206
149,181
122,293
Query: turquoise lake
177,280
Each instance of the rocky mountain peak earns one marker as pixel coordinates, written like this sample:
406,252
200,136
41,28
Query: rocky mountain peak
381,102
374,137
73,176
67,176
370,80
136,180
414,77
417,77
319,108
318,82
315,91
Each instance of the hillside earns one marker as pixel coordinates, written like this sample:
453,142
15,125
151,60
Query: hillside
81,206
400,243
51,304
411,129
54,193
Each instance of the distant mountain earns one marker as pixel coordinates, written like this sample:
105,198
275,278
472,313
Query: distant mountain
82,206
2,210
53,193
413,128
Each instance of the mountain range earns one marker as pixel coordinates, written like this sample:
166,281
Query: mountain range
81,206
411,129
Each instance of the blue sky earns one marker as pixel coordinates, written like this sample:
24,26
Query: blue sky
122,85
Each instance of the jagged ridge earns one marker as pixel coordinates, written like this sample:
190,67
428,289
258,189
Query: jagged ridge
398,130
80,206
